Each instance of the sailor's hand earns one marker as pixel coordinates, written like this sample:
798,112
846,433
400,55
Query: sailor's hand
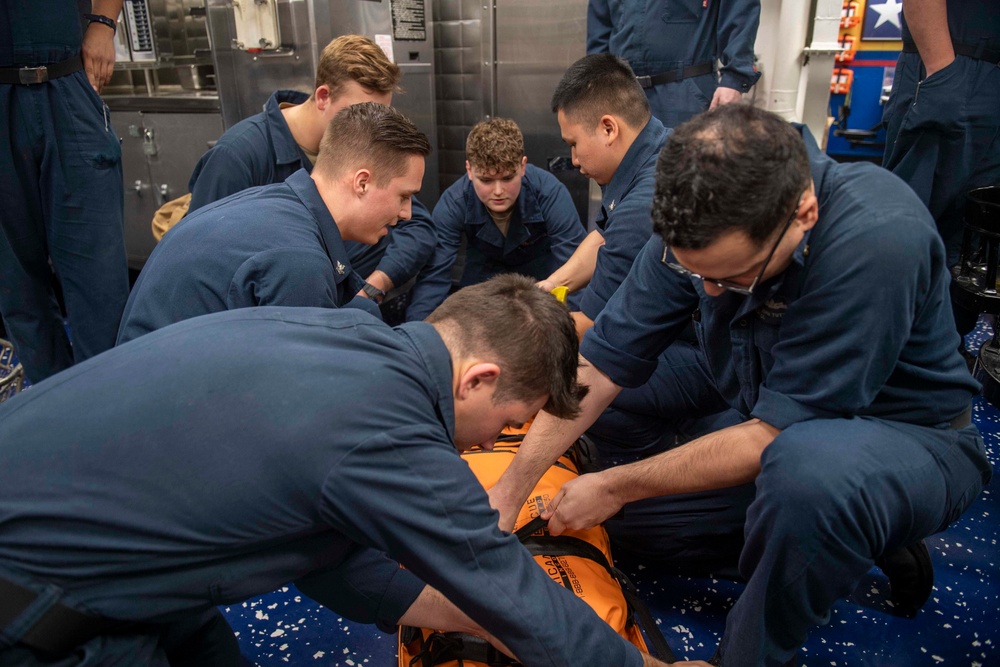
546,285
98,54
582,503
725,95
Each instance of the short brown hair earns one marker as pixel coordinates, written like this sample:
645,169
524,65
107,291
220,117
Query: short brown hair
369,135
601,84
358,58
495,146
528,331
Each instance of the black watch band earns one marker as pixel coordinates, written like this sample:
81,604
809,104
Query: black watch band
374,293
97,18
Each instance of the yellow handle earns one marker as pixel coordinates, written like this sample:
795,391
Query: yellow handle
560,293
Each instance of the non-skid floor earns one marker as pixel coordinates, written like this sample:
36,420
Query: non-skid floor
958,627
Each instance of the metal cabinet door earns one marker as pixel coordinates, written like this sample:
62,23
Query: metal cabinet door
536,41
159,152
140,200
172,144
175,143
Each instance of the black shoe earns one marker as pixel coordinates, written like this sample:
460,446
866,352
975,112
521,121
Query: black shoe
911,577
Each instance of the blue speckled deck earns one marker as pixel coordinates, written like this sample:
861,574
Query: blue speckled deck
958,627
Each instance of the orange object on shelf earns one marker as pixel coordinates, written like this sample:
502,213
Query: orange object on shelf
850,48
841,80
850,14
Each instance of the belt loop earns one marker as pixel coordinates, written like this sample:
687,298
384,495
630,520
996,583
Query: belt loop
23,622
980,47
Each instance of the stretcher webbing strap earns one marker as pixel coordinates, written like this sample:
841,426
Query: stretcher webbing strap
548,545
649,627
532,526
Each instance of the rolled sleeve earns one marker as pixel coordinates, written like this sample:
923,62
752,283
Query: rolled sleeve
399,594
781,411
737,32
367,587
624,369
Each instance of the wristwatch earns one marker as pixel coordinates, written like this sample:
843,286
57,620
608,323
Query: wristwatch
97,18
373,293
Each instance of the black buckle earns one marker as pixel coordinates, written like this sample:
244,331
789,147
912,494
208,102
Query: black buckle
645,81
32,75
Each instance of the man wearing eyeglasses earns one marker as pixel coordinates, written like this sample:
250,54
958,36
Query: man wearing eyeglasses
819,292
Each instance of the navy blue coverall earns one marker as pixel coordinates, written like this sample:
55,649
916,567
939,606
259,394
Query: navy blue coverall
851,352
261,150
60,197
231,254
946,140
624,218
213,480
544,232
657,36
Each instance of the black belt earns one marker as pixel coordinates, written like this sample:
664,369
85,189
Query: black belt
976,52
27,76
59,630
962,420
675,75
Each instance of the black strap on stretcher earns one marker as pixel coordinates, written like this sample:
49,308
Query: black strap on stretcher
564,545
442,647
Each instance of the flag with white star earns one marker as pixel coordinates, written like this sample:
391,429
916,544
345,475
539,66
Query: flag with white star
883,20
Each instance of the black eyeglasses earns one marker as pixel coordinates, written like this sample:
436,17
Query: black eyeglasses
726,283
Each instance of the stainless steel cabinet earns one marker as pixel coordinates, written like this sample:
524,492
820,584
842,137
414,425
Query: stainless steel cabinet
159,150
140,202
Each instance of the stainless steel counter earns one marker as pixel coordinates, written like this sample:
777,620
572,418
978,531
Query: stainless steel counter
187,101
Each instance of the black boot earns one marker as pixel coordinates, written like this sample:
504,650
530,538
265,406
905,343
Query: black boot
911,577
